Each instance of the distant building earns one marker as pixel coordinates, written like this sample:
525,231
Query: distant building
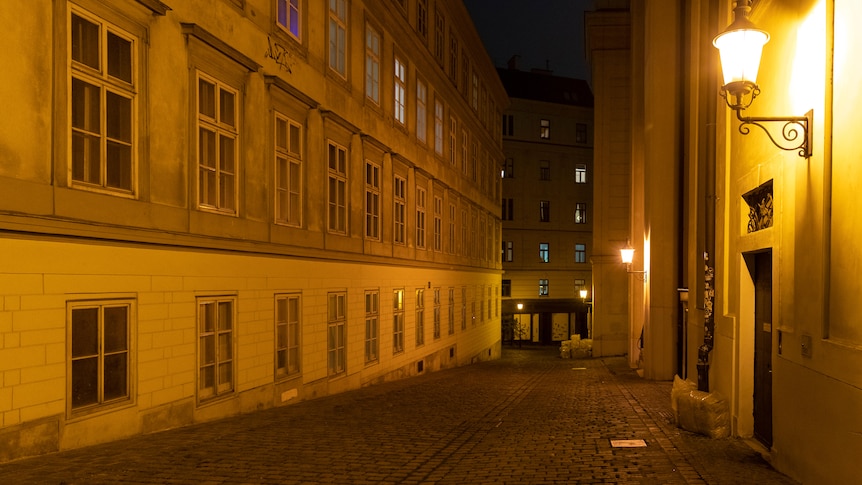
547,207
209,207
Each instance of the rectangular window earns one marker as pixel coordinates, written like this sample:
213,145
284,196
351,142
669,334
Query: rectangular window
420,217
438,127
508,213
372,200
338,36
400,91
463,308
372,328
580,133
103,98
465,74
336,324
400,210
508,251
337,190
397,321
451,311
545,129
453,135
544,170
287,330
543,288
437,315
452,229
420,317
288,176
580,173
474,161
508,125
544,211
508,168
218,139
580,213
544,252
580,253
507,288
215,337
422,18
99,352
465,249
288,16
453,58
439,37
372,64
474,98
481,292
421,111
438,224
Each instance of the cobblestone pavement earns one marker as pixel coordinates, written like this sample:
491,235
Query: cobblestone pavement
528,418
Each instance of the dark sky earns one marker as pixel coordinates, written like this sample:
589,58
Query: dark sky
547,34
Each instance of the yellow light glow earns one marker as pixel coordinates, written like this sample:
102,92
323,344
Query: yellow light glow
583,294
807,82
627,255
740,52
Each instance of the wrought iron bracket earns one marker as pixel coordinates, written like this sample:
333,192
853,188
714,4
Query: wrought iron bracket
796,132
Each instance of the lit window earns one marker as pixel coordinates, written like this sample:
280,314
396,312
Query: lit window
372,64
580,253
545,130
215,336
103,98
338,36
288,165
336,337
580,174
543,288
372,328
580,213
287,331
400,216
218,136
544,252
400,91
288,16
398,321
99,352
372,200
508,251
337,190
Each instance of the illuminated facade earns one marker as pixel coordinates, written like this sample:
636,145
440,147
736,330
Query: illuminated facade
216,206
547,204
764,240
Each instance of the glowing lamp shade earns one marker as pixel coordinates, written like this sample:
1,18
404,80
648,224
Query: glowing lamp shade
627,254
583,294
740,52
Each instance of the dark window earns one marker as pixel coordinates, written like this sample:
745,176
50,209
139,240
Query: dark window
545,211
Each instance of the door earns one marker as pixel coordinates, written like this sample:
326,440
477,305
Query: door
546,328
763,347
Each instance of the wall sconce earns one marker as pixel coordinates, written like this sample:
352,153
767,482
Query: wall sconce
627,254
583,294
520,306
740,47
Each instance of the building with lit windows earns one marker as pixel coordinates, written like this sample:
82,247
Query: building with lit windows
742,214
546,206
216,206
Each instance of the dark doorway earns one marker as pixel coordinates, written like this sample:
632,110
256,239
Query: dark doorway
763,347
545,328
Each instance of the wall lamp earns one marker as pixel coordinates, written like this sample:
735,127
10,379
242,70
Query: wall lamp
627,254
583,294
740,47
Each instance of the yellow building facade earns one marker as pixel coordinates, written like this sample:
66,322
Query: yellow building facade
749,249
213,207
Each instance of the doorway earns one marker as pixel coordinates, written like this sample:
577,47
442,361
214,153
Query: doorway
763,347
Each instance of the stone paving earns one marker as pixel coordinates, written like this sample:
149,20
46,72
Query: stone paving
528,418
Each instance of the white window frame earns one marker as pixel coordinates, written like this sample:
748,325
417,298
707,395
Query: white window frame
400,91
288,329
337,51
288,16
372,326
222,363
545,129
218,183
581,173
288,171
544,252
580,253
581,213
544,287
337,188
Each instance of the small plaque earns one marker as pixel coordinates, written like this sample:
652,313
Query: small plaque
628,443
767,327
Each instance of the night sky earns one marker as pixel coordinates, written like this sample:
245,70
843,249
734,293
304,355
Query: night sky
547,34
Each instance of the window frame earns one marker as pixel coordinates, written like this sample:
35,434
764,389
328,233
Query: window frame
545,129
508,251
399,216
544,287
373,48
220,130
421,217
451,310
437,316
438,224
337,177
580,213
544,211
397,321
399,83
581,173
372,326
219,389
289,158
337,37
288,26
419,322
545,170
372,200
580,253
544,252
336,333
421,110
439,115
292,328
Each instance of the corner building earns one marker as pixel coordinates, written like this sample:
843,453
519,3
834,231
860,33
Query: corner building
211,207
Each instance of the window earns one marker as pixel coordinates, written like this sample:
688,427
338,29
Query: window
287,314
338,36
453,135
438,126
507,288
544,170
372,200
372,329
218,136
453,58
580,253
421,111
465,74
422,18
474,99
463,308
104,93
288,165
509,168
580,133
288,16
544,252
420,317
400,91
400,201
580,173
436,313
438,224
544,211
451,311
452,249
372,64
474,160
580,284
215,337
336,309
100,360
420,217
545,129
465,249
508,251
398,321
508,209
337,214
543,288
508,125
439,37
580,213
465,137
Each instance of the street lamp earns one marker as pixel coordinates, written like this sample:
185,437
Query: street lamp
740,47
583,295
627,254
